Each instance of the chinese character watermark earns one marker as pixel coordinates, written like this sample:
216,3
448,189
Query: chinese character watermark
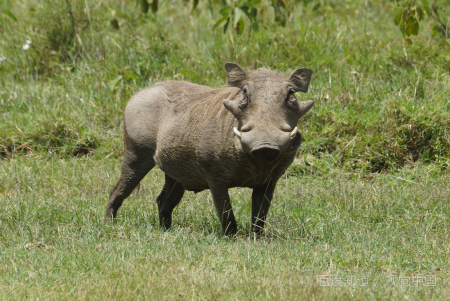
430,280
329,280
324,280
414,280
363,281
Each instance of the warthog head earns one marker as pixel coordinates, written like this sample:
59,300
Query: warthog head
267,110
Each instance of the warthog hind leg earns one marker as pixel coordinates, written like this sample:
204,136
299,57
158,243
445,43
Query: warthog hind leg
168,199
134,169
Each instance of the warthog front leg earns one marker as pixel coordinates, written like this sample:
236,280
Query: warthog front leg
169,198
224,209
261,199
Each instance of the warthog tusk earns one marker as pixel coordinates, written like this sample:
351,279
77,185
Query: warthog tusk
237,133
293,133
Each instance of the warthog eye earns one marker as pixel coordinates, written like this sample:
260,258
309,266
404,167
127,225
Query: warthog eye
244,91
244,101
291,101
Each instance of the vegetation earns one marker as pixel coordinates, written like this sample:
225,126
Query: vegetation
367,196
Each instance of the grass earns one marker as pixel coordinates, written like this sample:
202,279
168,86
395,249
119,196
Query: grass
367,196
373,111
55,244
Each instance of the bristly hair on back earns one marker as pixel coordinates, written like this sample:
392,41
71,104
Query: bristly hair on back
208,105
263,74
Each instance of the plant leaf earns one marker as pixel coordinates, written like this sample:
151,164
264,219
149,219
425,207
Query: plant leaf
155,6
194,5
225,11
408,41
255,25
426,6
237,16
144,6
246,11
438,29
112,84
281,3
412,26
115,23
9,14
187,72
129,74
419,12
240,27
225,27
247,4
398,18
218,22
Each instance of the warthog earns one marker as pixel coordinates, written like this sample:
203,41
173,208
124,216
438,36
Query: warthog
244,135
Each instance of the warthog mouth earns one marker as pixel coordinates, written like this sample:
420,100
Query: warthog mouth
265,152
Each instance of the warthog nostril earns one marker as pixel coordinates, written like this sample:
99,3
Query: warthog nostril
265,153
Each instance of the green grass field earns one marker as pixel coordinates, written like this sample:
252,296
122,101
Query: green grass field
366,201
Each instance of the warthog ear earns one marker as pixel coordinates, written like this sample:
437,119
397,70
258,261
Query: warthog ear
236,75
300,78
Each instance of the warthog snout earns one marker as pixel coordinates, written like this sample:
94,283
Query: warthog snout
265,152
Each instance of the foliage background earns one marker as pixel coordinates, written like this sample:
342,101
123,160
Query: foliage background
373,111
